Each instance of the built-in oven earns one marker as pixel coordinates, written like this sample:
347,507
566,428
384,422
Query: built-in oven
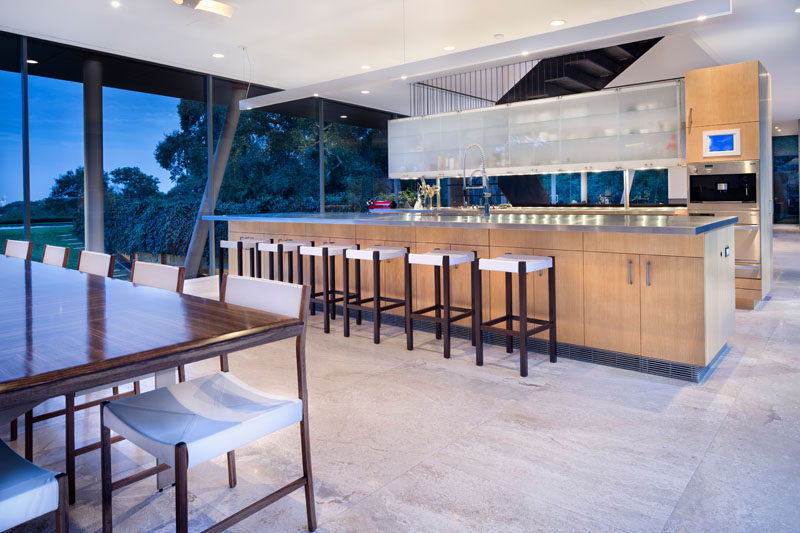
730,188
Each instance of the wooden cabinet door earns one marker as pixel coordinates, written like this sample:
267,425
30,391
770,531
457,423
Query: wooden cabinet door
569,295
611,301
722,95
672,308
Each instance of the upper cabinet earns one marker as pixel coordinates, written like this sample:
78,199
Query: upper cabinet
603,130
727,94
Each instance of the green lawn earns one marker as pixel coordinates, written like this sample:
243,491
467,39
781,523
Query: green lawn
55,234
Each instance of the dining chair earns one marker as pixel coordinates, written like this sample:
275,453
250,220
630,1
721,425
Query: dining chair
55,255
28,491
189,423
169,278
18,249
96,263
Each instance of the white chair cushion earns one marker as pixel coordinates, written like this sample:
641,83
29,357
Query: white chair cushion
436,257
156,275
288,246
94,263
212,415
54,255
510,263
18,249
384,253
246,244
333,249
266,295
26,490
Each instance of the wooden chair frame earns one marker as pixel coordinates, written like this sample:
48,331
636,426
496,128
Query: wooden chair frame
30,249
65,262
181,458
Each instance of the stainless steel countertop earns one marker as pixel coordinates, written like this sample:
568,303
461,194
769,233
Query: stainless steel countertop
656,224
541,210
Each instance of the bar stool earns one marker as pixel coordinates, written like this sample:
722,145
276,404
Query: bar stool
521,265
290,248
376,254
240,246
328,295
441,261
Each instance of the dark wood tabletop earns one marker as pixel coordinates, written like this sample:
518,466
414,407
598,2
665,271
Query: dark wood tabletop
62,331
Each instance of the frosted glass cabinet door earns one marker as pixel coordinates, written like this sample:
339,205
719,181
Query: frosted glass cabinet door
450,150
534,133
649,120
487,127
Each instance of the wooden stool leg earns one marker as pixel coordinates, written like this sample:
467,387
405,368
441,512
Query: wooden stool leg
551,282
409,305
478,317
239,258
312,280
474,273
280,262
325,293
13,430
346,297
376,297
446,297
332,285
259,260
181,373
300,268
437,298
290,265
252,262
523,320
509,312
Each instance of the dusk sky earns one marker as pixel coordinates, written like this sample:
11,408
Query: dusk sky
133,124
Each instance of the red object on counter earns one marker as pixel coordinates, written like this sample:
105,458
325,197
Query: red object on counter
381,204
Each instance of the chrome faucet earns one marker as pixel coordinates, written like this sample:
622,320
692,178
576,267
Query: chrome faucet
485,179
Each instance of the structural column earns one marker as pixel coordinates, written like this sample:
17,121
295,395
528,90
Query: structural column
93,186
584,187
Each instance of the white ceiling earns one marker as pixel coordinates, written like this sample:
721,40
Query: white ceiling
320,45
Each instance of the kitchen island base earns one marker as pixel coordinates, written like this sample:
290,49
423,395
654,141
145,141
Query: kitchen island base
641,294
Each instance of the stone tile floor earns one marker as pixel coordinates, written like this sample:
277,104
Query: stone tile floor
408,441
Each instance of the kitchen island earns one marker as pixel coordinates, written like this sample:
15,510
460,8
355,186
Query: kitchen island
641,289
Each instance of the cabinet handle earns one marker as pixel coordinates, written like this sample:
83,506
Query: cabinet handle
690,118
647,272
630,281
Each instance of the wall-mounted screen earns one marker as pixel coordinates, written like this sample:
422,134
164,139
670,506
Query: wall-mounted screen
722,143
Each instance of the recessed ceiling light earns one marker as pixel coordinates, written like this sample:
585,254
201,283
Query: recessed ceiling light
342,116
499,36
525,52
365,91
701,18
449,48
557,22
249,107
365,67
217,55
32,62
403,77
316,94
797,10
115,3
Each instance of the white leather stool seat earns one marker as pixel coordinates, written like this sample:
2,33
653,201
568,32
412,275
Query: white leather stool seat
288,246
26,490
246,244
212,415
384,253
510,263
333,249
436,257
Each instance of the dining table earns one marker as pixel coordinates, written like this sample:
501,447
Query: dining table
63,331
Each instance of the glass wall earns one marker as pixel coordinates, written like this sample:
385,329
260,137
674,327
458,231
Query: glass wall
649,187
785,178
